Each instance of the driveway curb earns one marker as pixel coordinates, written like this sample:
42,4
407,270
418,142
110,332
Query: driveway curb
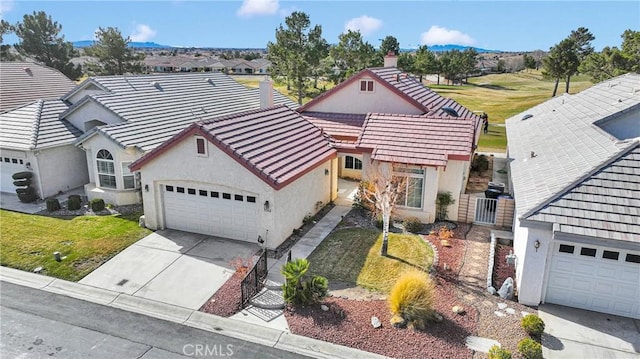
192,318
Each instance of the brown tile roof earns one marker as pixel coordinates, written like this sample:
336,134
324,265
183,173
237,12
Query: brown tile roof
417,139
343,126
276,144
24,82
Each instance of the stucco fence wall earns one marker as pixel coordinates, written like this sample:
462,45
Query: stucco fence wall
504,210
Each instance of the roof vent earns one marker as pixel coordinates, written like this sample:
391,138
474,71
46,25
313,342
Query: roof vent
210,80
155,84
450,111
526,117
532,154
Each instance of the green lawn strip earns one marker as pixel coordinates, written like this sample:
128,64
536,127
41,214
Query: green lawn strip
28,242
353,256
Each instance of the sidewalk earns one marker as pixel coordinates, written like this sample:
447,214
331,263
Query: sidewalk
233,328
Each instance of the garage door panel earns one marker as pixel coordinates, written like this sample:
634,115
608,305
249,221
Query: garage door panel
594,283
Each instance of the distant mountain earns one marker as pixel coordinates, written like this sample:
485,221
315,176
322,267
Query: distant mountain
146,45
443,48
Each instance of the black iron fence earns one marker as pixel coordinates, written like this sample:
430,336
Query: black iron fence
252,283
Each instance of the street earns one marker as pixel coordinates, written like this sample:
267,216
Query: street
39,324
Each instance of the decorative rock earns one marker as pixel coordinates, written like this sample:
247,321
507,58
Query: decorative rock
437,318
510,311
445,243
458,310
141,222
499,313
502,305
492,290
480,344
506,291
38,270
524,314
324,308
375,322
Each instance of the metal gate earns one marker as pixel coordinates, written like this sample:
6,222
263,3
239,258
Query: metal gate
252,283
486,211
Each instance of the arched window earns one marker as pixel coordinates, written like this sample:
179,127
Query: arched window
106,169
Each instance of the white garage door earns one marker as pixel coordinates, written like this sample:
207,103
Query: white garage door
8,167
595,278
211,211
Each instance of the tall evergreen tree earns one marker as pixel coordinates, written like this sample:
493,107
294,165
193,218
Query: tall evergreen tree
582,38
427,63
5,49
40,39
114,57
612,61
351,55
561,62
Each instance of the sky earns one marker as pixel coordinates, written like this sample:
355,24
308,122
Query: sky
496,25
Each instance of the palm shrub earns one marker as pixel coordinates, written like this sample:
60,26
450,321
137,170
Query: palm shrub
530,349
298,288
533,325
411,300
496,352
443,201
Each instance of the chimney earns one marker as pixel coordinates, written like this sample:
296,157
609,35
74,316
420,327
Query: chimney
266,93
391,60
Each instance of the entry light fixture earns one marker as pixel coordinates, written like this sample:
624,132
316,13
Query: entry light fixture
267,206
536,244
146,188
326,171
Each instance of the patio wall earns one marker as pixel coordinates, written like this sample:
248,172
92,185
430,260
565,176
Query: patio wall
504,215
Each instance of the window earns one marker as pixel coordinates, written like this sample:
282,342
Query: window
632,258
610,255
127,176
21,162
201,146
589,252
191,190
6,159
180,189
353,163
366,85
566,248
226,195
251,199
106,169
411,195
238,197
202,193
169,188
215,194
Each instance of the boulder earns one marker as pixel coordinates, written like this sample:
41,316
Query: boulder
458,310
324,308
437,317
506,291
492,290
375,322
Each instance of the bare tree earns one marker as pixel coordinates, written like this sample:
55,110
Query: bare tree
382,189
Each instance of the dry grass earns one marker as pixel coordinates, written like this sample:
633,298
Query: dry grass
411,298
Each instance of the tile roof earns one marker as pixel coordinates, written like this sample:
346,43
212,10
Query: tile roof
605,204
156,107
276,144
567,142
36,126
417,139
24,82
337,125
409,88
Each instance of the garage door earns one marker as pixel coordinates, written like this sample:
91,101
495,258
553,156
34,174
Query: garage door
8,167
211,211
595,278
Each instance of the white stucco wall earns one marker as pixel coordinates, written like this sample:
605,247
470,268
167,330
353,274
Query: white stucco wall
90,89
61,169
351,100
288,206
118,196
91,111
452,179
348,172
531,263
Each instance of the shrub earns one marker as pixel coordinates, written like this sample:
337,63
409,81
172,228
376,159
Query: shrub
530,349
26,191
533,325
496,352
24,182
22,175
300,290
97,204
412,299
412,224
74,202
443,201
360,200
53,204
27,197
480,164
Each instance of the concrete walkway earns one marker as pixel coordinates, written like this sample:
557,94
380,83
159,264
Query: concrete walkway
226,326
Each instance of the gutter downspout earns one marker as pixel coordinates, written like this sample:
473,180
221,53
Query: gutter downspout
37,168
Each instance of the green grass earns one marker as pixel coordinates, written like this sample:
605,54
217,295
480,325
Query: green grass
353,256
28,242
502,96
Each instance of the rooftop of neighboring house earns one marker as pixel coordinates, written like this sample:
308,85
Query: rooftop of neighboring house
277,144
156,107
419,140
574,160
24,82
36,126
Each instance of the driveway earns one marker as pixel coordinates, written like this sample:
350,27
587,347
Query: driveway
576,333
172,267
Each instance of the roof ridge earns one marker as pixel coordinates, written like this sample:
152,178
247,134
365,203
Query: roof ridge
36,124
238,114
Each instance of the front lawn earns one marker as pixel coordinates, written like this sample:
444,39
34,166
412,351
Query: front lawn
353,256
28,241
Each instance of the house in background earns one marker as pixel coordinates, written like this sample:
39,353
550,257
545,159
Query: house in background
32,137
383,114
575,176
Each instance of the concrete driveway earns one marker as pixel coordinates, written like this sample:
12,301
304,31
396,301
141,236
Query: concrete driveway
173,267
576,333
